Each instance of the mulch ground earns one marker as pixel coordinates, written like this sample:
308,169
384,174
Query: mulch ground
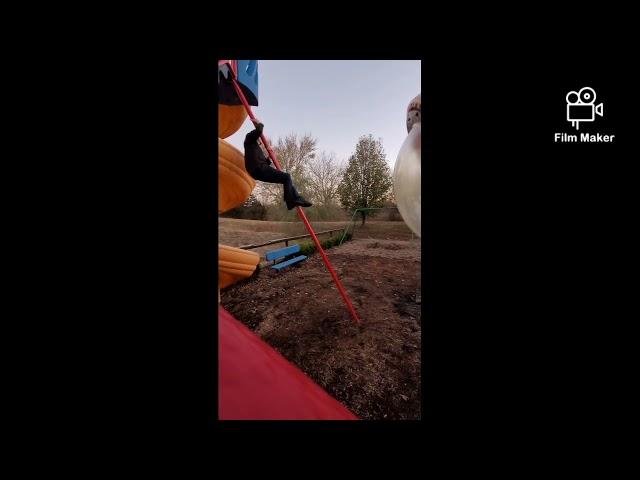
373,368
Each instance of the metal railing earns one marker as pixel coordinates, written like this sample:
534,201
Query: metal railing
288,239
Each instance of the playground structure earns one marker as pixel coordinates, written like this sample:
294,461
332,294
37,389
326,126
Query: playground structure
255,382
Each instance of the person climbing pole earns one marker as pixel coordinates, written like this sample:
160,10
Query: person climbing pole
258,165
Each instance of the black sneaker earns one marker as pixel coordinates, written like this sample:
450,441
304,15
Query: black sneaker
302,202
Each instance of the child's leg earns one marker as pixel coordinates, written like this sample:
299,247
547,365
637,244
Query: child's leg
271,175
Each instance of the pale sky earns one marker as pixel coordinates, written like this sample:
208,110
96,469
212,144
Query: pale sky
336,101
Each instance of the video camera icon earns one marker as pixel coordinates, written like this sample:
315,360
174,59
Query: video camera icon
581,108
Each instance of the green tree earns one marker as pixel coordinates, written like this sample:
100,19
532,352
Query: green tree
367,179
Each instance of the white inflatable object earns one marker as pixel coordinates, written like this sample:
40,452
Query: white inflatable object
407,171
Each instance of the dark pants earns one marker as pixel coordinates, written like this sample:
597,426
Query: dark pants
271,175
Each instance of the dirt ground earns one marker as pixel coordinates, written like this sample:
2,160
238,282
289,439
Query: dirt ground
374,367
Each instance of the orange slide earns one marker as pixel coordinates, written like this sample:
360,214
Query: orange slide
234,187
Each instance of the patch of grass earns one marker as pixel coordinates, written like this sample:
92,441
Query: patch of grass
309,248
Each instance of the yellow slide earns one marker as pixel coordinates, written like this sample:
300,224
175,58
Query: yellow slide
234,187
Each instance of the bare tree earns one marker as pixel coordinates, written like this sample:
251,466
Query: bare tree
294,154
324,175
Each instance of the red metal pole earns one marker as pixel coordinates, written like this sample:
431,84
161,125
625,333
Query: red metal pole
301,213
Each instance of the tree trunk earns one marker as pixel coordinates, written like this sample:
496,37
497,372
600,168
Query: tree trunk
364,216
